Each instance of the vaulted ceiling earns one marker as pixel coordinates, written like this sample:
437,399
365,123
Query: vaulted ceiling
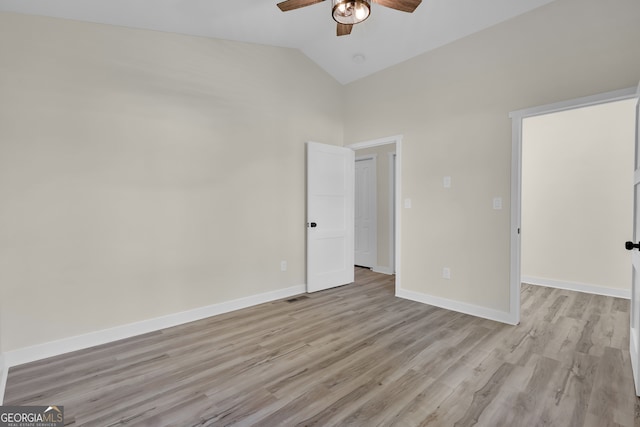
388,37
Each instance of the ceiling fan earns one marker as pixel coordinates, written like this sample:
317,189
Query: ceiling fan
347,13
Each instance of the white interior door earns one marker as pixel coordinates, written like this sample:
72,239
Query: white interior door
634,246
330,217
366,224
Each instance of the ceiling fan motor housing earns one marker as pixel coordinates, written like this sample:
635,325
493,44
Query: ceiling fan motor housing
351,11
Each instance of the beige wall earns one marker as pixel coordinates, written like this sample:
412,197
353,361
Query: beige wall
145,173
577,195
383,196
452,107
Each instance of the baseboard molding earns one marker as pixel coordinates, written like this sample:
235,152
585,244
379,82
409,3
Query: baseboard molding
579,287
79,342
633,350
4,370
461,307
383,270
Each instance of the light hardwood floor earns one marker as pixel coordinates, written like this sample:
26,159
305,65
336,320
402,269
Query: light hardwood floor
355,355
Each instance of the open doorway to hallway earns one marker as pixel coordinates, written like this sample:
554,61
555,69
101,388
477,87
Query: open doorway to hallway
389,158
375,200
374,208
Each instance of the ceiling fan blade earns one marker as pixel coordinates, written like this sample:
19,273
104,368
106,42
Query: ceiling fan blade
296,4
402,5
344,29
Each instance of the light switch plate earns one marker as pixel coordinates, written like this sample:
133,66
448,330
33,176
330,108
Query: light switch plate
407,203
446,182
497,203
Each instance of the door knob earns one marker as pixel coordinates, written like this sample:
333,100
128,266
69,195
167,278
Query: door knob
630,245
313,225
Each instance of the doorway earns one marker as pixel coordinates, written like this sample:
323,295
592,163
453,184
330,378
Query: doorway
386,152
516,178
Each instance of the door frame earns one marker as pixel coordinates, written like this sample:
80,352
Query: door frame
635,256
374,234
397,140
392,210
516,177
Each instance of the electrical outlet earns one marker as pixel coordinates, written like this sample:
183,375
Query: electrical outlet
283,265
446,273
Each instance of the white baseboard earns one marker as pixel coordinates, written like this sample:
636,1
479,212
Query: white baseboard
633,350
462,307
383,270
79,342
580,287
4,370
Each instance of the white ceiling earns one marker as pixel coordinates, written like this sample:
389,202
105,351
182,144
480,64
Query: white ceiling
386,38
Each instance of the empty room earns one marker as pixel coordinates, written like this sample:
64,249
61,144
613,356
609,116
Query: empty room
177,216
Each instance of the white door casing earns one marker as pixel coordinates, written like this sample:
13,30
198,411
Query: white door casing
634,341
330,216
392,211
365,212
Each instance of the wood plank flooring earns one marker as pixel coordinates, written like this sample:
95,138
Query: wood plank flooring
355,355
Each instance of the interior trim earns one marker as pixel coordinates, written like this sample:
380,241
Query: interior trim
461,307
578,287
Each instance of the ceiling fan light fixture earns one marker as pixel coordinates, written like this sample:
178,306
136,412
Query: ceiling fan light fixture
351,11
